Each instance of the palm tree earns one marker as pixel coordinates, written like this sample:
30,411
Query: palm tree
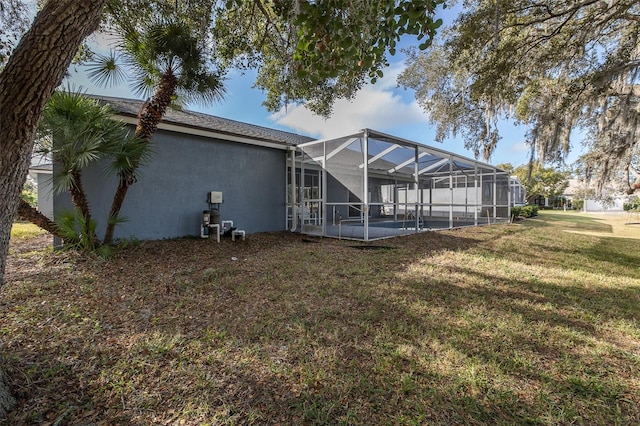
167,60
77,131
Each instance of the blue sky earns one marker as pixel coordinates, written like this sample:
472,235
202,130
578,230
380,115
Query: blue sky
381,106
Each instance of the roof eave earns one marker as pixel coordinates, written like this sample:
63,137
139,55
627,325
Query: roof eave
171,126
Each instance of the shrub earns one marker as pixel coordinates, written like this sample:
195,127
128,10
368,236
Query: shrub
529,210
75,231
524,211
516,211
632,206
30,192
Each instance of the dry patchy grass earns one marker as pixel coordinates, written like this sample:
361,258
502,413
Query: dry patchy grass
509,324
613,224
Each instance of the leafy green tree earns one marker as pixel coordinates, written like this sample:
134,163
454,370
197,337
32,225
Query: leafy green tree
541,181
553,66
30,192
318,51
507,167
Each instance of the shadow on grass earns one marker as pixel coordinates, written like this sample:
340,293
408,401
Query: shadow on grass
295,333
546,341
591,254
583,223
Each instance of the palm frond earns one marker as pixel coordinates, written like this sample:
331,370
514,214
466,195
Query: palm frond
90,153
144,84
132,153
67,221
82,131
113,135
62,181
76,231
202,87
106,70
161,43
117,220
178,102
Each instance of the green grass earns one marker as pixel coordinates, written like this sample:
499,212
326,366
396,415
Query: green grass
530,323
625,225
21,230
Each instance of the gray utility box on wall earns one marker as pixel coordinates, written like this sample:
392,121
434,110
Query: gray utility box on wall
215,197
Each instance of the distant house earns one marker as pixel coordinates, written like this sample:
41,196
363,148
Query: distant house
364,186
576,191
41,172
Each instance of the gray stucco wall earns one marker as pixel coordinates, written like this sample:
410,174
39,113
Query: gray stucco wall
45,194
171,192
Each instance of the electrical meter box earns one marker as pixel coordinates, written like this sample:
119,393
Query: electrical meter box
215,197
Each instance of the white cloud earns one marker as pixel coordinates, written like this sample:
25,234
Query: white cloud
376,106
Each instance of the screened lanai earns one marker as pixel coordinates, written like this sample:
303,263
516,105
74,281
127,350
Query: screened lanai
369,185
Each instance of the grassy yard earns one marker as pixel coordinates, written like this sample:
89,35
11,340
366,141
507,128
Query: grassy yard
531,323
22,231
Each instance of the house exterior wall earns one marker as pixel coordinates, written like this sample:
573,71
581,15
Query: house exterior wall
171,191
616,205
45,193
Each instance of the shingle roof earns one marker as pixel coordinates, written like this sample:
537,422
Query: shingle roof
48,167
131,107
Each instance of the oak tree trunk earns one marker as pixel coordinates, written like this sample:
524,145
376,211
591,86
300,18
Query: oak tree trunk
149,117
32,73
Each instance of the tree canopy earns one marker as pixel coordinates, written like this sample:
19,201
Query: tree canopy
538,180
554,66
13,22
303,51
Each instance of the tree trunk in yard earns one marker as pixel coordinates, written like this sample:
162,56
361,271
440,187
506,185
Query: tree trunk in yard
149,117
32,73
79,199
31,214
7,402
